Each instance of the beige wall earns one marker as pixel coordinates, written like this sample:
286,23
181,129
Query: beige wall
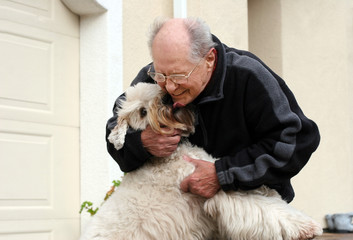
227,19
265,38
318,58
310,44
137,18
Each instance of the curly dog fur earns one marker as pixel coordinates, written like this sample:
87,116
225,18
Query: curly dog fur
150,205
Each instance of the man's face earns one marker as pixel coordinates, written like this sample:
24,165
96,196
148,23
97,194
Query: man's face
186,92
178,62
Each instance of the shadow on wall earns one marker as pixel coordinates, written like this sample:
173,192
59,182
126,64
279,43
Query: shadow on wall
265,36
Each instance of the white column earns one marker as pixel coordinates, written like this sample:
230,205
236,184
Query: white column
100,83
180,8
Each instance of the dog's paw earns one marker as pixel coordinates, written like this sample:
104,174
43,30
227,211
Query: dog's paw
310,231
117,135
115,139
300,228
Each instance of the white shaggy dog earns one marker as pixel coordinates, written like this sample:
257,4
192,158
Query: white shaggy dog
150,205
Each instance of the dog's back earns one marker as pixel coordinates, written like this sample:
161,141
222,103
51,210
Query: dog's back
150,205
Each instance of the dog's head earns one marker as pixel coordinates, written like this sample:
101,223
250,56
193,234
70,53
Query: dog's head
144,105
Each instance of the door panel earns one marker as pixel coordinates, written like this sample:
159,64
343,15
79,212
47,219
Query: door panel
40,75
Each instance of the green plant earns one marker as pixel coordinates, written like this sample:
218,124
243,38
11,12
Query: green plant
88,206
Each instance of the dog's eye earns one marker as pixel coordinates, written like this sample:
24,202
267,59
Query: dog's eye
143,112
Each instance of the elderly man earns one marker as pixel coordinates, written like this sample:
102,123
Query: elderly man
245,114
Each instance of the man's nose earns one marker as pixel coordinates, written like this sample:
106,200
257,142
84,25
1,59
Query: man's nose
170,85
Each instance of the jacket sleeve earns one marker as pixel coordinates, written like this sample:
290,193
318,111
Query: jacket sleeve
133,154
283,138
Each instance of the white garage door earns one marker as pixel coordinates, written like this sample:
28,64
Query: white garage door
39,120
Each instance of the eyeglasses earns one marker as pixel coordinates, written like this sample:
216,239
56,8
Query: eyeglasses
175,78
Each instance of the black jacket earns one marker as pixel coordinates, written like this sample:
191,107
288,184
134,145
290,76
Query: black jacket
248,118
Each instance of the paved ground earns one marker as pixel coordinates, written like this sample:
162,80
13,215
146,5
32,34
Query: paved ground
335,236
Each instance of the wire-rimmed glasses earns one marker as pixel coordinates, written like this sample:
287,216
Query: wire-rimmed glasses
175,78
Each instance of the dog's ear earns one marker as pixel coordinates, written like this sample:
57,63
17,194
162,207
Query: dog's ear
167,100
185,115
117,135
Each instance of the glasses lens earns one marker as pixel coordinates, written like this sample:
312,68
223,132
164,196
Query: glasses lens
158,77
178,79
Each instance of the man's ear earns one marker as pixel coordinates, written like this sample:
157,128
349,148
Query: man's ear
211,58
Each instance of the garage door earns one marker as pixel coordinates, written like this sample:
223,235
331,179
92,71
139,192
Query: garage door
39,120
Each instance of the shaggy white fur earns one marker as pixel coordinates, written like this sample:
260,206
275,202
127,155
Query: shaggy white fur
150,205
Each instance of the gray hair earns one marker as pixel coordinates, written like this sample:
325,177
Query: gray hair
200,36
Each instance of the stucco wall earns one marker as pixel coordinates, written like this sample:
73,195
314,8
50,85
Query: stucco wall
228,19
317,47
310,43
137,18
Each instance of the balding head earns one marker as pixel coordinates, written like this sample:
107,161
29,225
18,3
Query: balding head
173,31
183,48
190,33
172,42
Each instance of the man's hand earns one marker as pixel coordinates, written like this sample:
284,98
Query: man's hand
203,181
160,145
